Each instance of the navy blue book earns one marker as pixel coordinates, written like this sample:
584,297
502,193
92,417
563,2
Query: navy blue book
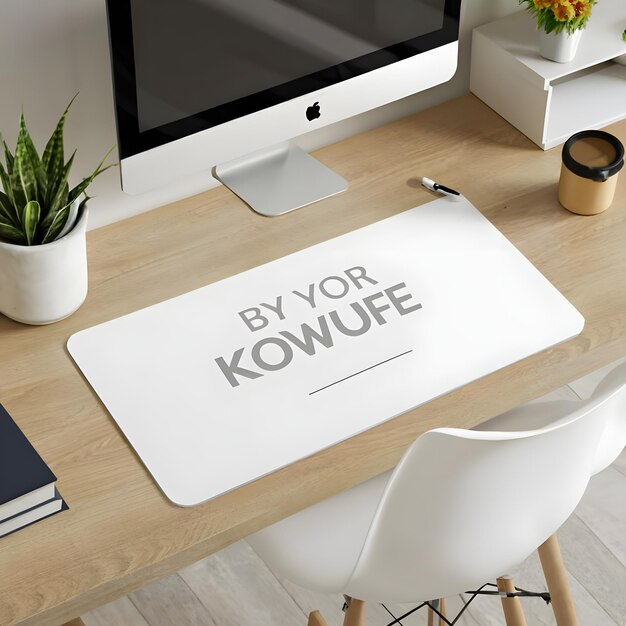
27,485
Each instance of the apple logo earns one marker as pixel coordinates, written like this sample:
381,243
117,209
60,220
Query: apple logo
313,112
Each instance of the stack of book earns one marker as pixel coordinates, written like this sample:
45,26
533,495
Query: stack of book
27,485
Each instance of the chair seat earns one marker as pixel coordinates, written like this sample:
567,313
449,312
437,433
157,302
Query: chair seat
318,547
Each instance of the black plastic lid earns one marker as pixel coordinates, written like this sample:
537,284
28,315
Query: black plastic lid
594,173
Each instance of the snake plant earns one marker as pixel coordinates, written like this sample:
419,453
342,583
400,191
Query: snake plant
37,201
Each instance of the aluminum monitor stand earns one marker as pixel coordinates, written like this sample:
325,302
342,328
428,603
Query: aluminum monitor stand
279,179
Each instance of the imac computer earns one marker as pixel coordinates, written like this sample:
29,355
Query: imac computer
227,86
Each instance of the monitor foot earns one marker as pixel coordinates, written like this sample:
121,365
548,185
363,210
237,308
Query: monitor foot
279,179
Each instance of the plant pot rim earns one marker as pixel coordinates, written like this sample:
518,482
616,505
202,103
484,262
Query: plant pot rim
564,32
17,246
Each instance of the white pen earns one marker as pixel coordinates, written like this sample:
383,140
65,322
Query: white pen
433,186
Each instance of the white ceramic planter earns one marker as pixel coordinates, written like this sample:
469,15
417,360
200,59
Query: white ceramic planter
559,47
44,284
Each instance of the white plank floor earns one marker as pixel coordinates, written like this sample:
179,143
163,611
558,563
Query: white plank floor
235,588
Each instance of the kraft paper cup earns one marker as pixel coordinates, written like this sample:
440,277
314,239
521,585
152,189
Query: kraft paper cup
591,162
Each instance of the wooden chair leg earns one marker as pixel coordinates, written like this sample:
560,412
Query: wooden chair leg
512,607
316,619
442,610
441,607
75,622
355,613
556,579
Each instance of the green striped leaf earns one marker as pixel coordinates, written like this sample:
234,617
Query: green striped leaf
23,178
7,211
16,193
61,204
31,220
58,189
53,157
8,157
57,224
6,183
10,234
61,192
51,215
40,172
82,186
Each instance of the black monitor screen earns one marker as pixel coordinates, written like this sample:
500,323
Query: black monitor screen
181,66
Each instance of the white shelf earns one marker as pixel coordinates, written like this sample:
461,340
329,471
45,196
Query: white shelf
550,101
599,97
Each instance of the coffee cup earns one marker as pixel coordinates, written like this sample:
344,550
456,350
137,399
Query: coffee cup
591,162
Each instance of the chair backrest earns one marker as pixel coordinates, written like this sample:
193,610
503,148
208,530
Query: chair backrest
463,507
613,440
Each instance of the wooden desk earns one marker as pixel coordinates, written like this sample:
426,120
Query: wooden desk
121,532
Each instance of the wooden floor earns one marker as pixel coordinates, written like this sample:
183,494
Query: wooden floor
235,588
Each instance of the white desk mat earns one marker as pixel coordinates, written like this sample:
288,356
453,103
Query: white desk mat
339,337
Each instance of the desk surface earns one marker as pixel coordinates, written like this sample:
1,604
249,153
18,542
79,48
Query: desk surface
121,532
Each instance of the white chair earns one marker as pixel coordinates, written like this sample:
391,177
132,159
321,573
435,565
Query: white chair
460,509
551,413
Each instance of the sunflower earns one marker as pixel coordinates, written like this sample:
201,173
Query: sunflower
582,9
563,10
555,16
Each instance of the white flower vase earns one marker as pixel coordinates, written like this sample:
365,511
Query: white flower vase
560,47
46,283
